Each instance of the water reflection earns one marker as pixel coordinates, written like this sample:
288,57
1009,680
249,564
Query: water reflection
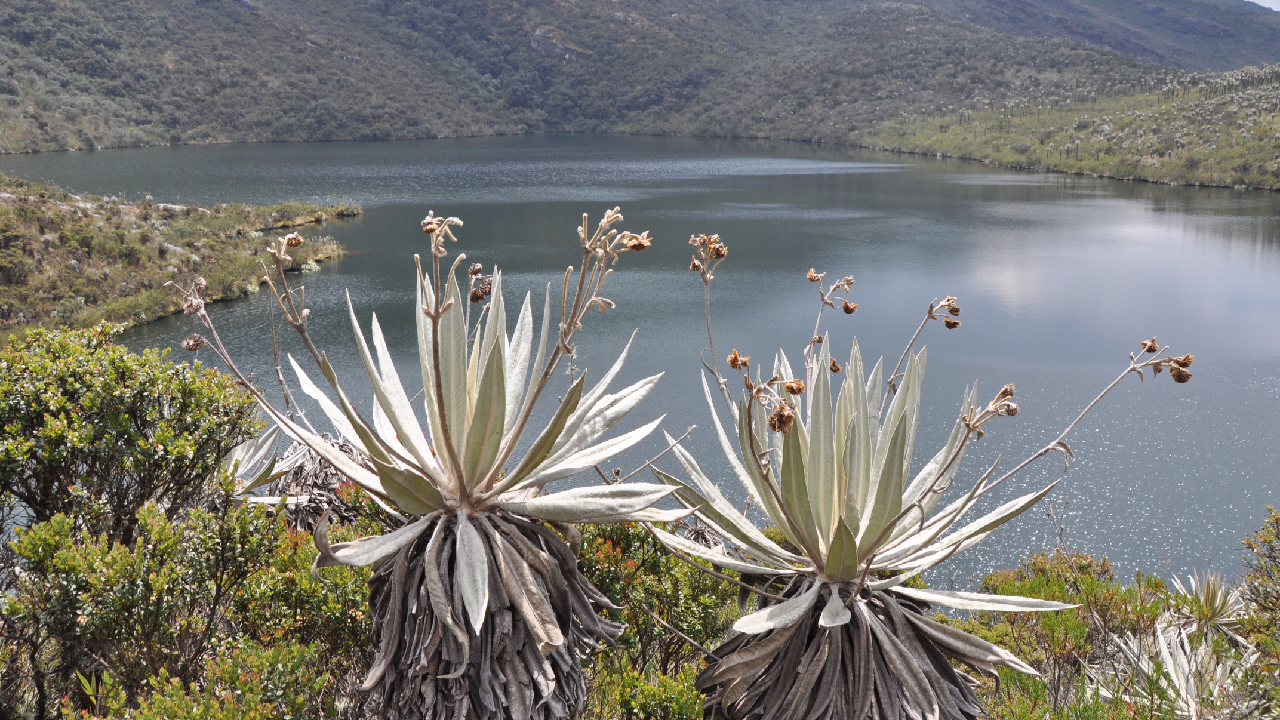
1059,277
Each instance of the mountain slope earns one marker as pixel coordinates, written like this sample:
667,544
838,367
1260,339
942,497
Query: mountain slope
1190,34
109,73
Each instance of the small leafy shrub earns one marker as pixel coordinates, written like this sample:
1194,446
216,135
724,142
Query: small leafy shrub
243,682
93,431
88,604
633,570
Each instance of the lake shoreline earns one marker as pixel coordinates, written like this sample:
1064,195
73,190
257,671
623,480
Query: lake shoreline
75,260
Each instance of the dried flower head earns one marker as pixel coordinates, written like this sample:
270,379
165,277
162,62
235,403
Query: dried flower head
850,308
476,270
193,342
636,242
782,418
1184,361
951,324
717,249
813,275
1150,346
192,304
835,367
1179,374
1009,409
293,239
738,362
200,286
1006,392
955,311
794,387
431,223
694,265
817,340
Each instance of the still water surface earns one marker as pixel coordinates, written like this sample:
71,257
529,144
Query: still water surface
1059,278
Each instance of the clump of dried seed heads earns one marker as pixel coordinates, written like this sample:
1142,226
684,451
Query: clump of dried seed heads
711,251
794,387
737,361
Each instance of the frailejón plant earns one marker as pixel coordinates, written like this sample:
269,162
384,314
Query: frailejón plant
838,634
480,610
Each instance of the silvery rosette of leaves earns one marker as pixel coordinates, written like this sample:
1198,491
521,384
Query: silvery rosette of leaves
844,637
480,610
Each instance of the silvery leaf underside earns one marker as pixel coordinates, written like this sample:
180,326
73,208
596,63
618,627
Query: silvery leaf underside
526,660
876,657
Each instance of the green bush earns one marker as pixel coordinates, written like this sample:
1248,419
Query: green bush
93,431
89,604
244,682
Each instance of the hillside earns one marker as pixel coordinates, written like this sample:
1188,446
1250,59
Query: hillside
107,73
1224,132
1189,34
72,260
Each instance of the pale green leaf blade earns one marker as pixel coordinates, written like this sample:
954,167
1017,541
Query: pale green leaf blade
688,547
590,399
472,571
591,456
369,550
518,364
453,366
820,470
795,496
484,436
647,515
835,613
582,504
331,411
400,411
542,446
981,601
842,563
783,614
598,420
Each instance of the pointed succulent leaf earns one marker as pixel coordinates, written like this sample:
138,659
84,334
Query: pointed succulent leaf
590,399
607,412
367,550
542,446
408,484
981,601
688,547
647,515
795,496
842,563
472,573
783,614
518,357
836,613
331,411
968,648
484,436
820,470
453,366
591,456
582,504
706,497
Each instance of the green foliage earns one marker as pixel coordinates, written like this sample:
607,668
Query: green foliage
72,260
90,429
243,682
1262,589
1204,130
650,674
625,693
633,570
98,598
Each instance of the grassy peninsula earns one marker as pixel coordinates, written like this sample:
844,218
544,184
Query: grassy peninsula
75,260
1220,130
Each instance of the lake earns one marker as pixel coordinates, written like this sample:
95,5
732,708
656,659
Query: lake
1059,277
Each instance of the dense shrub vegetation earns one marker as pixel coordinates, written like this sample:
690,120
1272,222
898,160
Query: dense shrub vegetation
72,260
236,626
1218,130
